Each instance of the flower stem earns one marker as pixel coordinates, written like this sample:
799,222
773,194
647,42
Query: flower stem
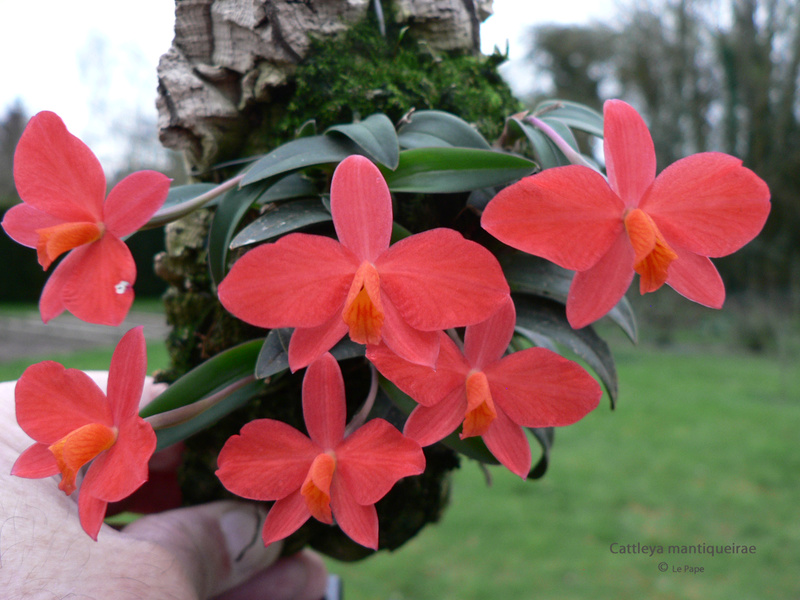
170,418
172,213
361,416
572,155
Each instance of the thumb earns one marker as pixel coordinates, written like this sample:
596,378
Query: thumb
218,545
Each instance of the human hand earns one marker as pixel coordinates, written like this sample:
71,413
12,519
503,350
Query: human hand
196,553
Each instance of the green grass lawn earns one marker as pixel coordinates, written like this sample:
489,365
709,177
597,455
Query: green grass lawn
701,449
87,360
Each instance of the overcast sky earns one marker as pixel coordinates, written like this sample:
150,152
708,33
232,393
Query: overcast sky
85,58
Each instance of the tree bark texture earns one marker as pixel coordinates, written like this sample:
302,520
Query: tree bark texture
229,55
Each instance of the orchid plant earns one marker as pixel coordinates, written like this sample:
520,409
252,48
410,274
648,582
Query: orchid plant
463,331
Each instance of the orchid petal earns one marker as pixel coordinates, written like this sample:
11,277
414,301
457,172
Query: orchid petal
425,385
359,522
629,152
126,375
546,213
122,469
299,281
21,222
57,173
418,347
52,401
696,278
708,203
596,291
92,511
436,279
508,443
309,343
373,458
134,200
538,388
430,424
51,303
486,342
324,408
99,287
36,462
285,517
361,207
268,460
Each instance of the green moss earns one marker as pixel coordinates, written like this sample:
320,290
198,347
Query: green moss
360,73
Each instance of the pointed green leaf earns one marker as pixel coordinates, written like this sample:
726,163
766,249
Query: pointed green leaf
281,220
536,314
376,137
573,114
300,154
307,129
435,128
447,170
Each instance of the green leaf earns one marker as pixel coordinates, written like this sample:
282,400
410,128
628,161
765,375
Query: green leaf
533,275
536,314
290,187
217,373
231,209
307,129
572,114
281,220
447,170
376,136
300,154
435,128
545,436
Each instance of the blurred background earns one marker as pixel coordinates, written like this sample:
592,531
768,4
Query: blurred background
703,446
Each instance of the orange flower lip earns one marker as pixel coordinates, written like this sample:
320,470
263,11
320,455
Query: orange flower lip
79,447
316,489
54,241
363,311
481,411
652,253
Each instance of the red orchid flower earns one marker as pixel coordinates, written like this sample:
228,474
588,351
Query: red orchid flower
63,188
402,295
664,228
490,395
325,475
73,422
